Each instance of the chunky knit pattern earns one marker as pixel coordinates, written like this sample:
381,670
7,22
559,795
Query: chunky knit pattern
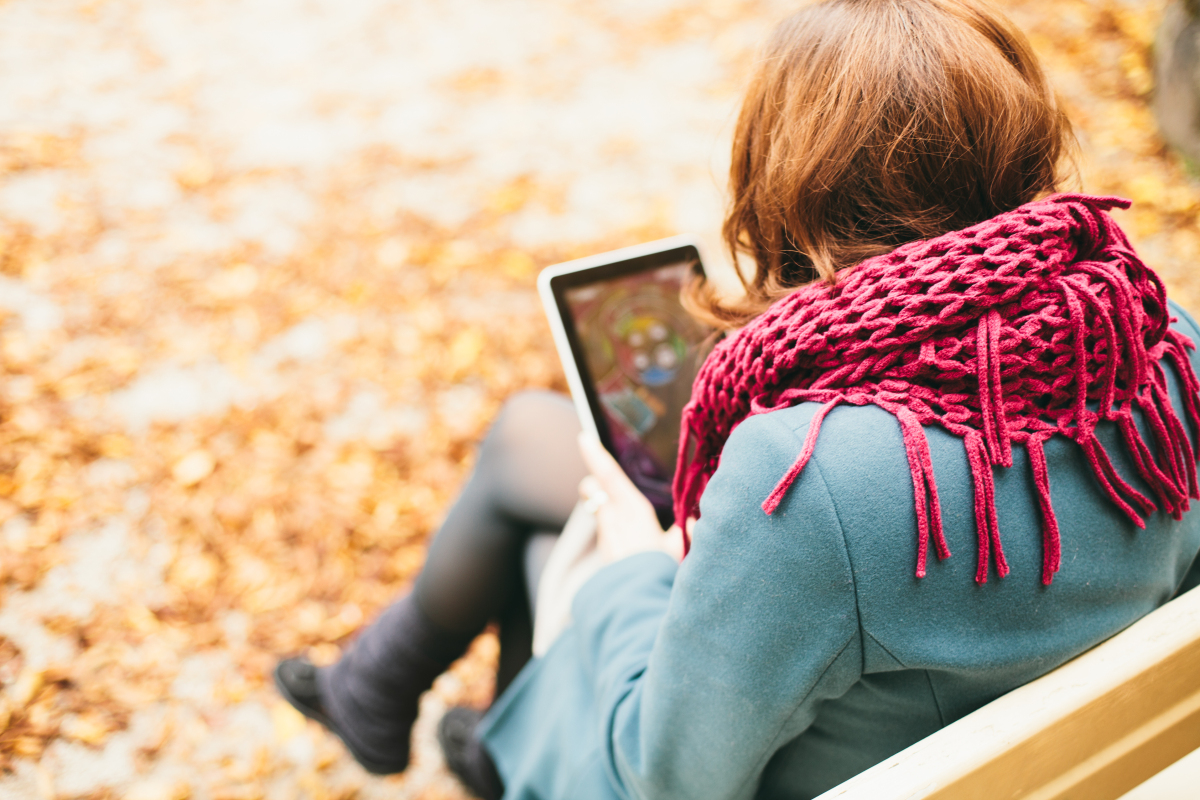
1040,321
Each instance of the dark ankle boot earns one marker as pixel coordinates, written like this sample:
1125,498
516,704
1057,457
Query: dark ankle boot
465,754
296,679
369,698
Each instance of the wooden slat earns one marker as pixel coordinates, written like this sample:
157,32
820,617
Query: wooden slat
1176,782
1094,728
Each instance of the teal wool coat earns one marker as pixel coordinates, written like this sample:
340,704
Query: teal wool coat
789,652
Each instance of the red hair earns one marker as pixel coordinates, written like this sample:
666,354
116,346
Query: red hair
871,123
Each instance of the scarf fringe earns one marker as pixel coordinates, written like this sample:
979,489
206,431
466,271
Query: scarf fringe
1051,542
1127,376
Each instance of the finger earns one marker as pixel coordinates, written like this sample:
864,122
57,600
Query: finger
674,543
592,494
589,487
602,465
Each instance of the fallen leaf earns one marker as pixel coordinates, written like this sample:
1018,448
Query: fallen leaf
193,468
288,722
89,727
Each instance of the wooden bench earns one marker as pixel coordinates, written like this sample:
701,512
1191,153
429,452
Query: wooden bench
1092,729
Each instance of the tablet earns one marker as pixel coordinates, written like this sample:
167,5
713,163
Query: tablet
630,351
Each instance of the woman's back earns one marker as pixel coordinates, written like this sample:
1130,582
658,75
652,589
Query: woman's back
937,648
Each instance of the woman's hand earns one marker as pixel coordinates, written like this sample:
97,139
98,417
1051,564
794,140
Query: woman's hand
625,521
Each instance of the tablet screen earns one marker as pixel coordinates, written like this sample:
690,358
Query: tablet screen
641,352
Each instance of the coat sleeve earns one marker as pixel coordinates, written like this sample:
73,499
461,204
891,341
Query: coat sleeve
732,658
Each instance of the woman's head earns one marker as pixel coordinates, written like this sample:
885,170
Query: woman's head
871,123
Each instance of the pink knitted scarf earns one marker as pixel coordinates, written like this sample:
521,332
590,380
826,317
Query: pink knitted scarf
1040,321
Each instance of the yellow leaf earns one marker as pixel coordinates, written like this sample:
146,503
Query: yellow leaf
197,173
407,560
465,350
1134,66
159,790
193,468
1146,189
478,79
324,654
289,723
347,620
41,718
386,514
88,727
238,281
27,746
115,445
238,793
26,687
358,292
193,571
233,689
309,617
516,264
392,253
512,197
32,467
141,619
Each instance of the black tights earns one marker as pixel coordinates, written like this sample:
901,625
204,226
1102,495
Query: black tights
525,481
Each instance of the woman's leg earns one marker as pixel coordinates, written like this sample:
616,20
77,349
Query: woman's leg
526,479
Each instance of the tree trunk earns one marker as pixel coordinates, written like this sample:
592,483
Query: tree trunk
1177,78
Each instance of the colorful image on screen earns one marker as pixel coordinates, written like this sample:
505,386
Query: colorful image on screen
642,351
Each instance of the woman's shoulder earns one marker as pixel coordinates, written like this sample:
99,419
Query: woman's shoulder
796,419
858,469
848,434
1186,323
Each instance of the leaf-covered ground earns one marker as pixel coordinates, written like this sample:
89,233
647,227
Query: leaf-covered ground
266,271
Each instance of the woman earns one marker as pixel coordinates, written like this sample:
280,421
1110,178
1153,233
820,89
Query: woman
926,357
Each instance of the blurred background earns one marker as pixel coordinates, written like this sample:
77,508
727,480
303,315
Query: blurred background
267,270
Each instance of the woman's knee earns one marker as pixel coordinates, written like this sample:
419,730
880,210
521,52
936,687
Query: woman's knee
533,418
531,456
531,403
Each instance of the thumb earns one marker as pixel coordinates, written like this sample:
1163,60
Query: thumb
603,466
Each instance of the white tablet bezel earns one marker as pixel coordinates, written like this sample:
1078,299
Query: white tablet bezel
600,263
